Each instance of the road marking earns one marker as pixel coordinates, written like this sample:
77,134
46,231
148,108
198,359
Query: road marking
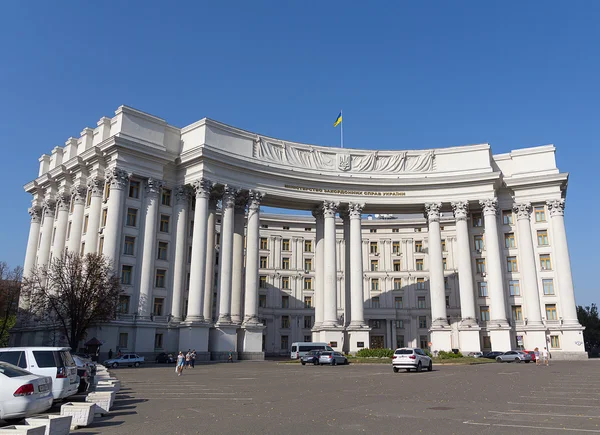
565,429
564,398
199,398
553,404
516,412
192,392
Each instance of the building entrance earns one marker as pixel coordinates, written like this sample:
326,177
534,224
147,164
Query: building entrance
377,342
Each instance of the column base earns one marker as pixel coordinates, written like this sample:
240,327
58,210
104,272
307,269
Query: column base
441,339
358,337
334,337
500,337
194,335
469,339
251,340
223,340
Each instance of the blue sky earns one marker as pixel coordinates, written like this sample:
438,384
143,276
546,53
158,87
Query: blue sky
408,75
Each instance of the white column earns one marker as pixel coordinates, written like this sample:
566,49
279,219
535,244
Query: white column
62,220
238,260
182,201
528,266
195,312
562,263
210,260
494,263
252,245
330,272
319,302
356,267
465,270
119,180
49,209
96,186
32,241
226,258
78,194
436,267
346,266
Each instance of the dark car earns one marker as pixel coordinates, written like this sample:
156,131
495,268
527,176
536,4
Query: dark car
165,358
311,357
492,355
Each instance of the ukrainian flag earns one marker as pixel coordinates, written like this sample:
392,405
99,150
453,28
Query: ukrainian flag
338,120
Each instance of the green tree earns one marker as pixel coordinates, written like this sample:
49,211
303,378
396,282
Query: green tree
588,317
10,286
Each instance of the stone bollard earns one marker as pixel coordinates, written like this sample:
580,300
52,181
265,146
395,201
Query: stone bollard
82,413
22,430
103,400
54,424
116,384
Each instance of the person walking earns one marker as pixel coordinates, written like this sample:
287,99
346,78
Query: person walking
546,357
536,354
193,361
110,353
230,357
188,359
180,363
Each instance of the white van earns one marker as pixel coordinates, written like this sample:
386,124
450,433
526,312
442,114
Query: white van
55,362
300,349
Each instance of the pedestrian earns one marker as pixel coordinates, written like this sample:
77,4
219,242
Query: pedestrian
230,357
536,354
193,358
188,359
180,362
110,353
546,356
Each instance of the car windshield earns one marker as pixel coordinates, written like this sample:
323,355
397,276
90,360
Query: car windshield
403,352
11,371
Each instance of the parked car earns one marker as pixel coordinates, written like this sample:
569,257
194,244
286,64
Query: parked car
411,359
492,355
475,354
332,358
22,393
514,356
84,371
55,362
311,357
532,353
128,359
165,358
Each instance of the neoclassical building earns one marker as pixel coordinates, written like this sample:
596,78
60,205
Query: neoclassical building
452,248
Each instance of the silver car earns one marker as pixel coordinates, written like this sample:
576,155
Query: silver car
514,356
332,358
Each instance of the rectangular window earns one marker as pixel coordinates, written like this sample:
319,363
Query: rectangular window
480,265
262,301
129,245
262,281
554,342
444,263
478,243
395,230
123,305
132,217
545,262
100,246
285,302
486,342
419,246
165,198
514,289
540,213
126,272
69,230
484,313
264,243
421,302
134,189
82,251
397,283
285,245
191,233
542,236
517,313
551,312
374,265
158,341
123,340
284,342
420,283
308,284
86,220
423,342
399,341
398,302
419,264
158,306
509,240
395,247
375,324
511,264
507,217
285,322
482,289
375,284
396,266
285,263
548,285
160,281
447,301
307,301
164,223
88,199
443,246
307,322
264,263
477,220
372,230
104,216
308,246
163,248
307,338
308,264
217,239
400,324
285,227
373,248
375,302
285,282
422,322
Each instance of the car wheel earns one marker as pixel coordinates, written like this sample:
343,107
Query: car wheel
419,367
333,362
115,365
499,359
137,364
303,363
430,367
517,360
527,362
396,369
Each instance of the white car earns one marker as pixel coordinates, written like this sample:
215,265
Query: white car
55,362
128,359
23,394
411,359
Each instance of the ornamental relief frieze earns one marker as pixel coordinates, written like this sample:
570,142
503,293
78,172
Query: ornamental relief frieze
344,161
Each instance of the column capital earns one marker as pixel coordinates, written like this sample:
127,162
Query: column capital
78,192
229,196
182,194
241,202
36,214
202,187
49,207
153,186
317,212
355,210
522,210
432,211
556,207
118,178
461,210
64,201
254,199
330,208
96,186
489,205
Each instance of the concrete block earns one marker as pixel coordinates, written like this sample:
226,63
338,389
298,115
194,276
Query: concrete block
23,430
103,400
54,424
82,413
112,383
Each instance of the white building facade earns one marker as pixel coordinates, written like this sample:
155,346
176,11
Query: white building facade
444,249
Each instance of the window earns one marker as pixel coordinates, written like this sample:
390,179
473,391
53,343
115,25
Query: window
307,338
264,262
554,342
165,198
551,312
160,280
421,302
418,230
308,284
400,324
477,220
123,339
447,301
545,262
396,266
285,302
395,230
482,289
419,264
507,217
542,236
163,248
88,199
422,321
395,247
191,233
69,230
372,230
285,263
307,322
511,264
262,301
285,322
264,243
158,306
375,284
480,265
123,305
158,341
264,226
517,313
373,248
420,283
423,342
397,283
164,223
285,227
548,285
308,246
509,240
284,342
375,324
514,289
486,342
218,239
307,301
419,246
104,216
82,251
478,242
484,313
443,246
444,263
398,302
307,264
262,281
307,229
189,256
131,217
134,189
375,302
374,265
399,341
540,213
285,282
129,245
126,272
285,245
86,220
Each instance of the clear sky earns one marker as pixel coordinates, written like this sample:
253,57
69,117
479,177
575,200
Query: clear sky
408,75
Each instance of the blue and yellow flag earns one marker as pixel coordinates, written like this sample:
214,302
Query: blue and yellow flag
338,120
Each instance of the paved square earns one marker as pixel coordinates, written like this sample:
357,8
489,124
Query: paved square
272,398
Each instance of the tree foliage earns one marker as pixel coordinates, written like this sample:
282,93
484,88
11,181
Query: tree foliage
10,286
588,317
74,292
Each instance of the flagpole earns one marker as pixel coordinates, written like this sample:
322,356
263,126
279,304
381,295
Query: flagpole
342,129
